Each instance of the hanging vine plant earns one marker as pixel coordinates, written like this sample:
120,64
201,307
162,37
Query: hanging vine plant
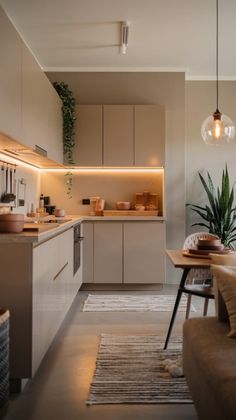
68,113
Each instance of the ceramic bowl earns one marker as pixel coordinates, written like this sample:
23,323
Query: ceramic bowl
209,242
11,223
123,205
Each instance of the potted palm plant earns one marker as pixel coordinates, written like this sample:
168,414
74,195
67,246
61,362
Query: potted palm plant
219,214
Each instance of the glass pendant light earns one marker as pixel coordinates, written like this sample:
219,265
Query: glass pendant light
217,128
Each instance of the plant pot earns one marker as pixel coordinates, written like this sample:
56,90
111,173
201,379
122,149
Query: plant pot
11,223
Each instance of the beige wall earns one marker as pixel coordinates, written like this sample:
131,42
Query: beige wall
166,89
201,102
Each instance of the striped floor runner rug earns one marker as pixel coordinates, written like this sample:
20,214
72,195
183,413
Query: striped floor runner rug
129,369
125,302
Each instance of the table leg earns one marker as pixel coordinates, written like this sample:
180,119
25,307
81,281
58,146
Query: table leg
177,300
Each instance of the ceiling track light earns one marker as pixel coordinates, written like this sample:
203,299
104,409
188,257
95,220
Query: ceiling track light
124,37
217,128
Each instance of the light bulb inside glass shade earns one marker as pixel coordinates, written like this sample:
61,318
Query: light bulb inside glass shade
217,129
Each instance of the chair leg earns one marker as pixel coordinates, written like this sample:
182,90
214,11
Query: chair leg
205,307
188,306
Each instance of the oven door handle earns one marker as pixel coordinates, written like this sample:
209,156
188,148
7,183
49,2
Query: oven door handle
79,239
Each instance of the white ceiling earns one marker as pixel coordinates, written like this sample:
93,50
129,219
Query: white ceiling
165,35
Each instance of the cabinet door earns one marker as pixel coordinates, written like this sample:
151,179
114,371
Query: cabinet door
55,129
144,252
118,135
149,135
10,79
41,110
88,135
52,291
34,102
87,252
108,252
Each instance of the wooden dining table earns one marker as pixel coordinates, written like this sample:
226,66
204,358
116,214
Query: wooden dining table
186,263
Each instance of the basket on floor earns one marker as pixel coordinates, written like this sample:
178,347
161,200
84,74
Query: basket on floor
4,360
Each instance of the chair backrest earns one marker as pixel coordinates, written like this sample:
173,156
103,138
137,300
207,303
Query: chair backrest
191,242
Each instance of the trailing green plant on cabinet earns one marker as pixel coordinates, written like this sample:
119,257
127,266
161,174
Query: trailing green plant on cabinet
68,113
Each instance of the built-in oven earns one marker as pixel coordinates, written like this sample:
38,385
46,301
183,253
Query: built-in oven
77,241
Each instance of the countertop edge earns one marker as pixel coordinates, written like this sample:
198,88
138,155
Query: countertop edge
37,237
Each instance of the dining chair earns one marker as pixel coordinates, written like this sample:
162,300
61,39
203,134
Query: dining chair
199,280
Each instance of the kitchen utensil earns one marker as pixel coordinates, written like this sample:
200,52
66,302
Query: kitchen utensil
11,195
7,197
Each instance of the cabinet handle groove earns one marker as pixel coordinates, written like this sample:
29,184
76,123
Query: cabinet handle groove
59,272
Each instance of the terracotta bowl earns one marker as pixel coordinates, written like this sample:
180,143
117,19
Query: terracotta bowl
209,242
11,223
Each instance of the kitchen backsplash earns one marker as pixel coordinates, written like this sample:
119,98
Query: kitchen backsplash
112,186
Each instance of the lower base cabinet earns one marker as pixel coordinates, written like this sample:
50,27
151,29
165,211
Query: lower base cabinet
52,291
124,252
144,252
38,289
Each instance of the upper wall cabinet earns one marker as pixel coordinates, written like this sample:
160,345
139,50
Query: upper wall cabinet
30,108
41,109
88,136
149,135
10,79
120,135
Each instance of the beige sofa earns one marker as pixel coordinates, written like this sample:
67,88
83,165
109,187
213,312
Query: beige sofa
209,354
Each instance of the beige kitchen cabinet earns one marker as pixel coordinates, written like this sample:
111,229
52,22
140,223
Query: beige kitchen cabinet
55,124
10,79
52,275
38,286
107,252
87,252
118,135
41,110
144,252
124,252
88,150
149,135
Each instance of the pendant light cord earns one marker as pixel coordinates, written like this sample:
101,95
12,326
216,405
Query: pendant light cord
217,58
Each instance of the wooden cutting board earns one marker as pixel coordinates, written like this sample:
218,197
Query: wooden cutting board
130,212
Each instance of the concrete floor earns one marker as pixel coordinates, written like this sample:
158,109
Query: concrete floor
60,387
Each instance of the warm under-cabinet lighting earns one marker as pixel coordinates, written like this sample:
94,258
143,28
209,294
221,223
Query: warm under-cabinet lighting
107,170
18,162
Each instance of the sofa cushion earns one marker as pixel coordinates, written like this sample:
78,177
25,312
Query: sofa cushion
222,259
209,361
226,283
